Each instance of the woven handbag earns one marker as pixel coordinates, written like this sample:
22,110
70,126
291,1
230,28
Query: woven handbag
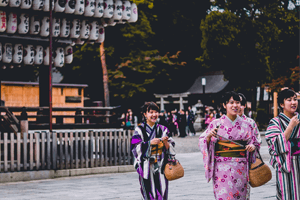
259,173
173,170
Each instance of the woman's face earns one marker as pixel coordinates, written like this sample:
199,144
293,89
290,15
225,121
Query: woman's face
290,104
241,110
151,116
232,107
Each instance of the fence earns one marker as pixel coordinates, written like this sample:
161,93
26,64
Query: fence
74,149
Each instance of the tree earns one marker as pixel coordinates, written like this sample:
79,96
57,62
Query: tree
249,41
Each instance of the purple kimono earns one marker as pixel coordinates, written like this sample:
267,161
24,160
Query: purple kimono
229,174
154,184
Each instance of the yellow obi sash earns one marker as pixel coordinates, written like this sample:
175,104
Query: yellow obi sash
156,150
226,148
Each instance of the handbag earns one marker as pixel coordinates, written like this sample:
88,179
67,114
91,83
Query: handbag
259,173
173,169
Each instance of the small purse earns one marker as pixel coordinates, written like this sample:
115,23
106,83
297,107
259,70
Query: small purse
173,169
259,173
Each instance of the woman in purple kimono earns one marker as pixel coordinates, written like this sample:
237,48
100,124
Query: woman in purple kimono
150,144
224,161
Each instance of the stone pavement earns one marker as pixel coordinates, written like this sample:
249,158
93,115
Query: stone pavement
126,186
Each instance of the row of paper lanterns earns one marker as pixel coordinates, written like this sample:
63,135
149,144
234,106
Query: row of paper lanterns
116,10
34,54
64,28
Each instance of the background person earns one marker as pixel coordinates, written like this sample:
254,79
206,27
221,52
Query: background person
149,144
283,140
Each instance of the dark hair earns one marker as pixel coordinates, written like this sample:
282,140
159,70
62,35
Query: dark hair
284,94
149,106
226,97
244,100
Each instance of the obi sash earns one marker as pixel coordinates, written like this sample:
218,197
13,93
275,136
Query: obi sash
156,150
295,144
226,148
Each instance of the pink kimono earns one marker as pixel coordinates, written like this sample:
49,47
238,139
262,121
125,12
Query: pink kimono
229,174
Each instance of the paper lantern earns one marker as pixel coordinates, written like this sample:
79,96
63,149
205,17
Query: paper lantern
47,5
45,27
89,9
99,8
56,27
26,4
94,26
12,23
68,54
79,7
28,55
85,30
70,6
23,26
75,29
108,8
2,21
59,57
59,5
35,25
4,3
126,11
118,10
7,53
65,28
101,35
134,13
38,4
39,55
18,53
14,3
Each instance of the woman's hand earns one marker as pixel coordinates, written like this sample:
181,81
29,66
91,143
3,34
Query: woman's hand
212,133
250,148
165,141
294,122
288,131
155,141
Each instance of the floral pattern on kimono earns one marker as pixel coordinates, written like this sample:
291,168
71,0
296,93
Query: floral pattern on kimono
229,174
254,126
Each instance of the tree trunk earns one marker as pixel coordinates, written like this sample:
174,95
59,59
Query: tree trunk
105,79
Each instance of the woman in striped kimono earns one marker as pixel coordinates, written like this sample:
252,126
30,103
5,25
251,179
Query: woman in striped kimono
225,162
150,144
283,139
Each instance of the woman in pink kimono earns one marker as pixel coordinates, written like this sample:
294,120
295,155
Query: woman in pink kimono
224,161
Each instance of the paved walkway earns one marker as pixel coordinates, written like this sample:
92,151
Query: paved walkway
125,186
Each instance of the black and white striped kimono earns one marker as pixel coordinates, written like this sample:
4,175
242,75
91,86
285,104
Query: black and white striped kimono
154,184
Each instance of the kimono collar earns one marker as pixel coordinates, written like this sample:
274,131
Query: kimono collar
282,115
244,116
236,119
151,127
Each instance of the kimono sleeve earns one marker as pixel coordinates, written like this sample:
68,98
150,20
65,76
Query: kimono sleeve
279,147
141,151
208,150
252,139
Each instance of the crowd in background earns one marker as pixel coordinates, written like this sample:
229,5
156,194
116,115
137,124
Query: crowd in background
180,123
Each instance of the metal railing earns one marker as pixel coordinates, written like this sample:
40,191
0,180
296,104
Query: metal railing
57,150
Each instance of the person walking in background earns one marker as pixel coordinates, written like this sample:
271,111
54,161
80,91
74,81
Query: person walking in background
172,120
150,144
209,119
181,123
162,119
241,113
129,123
225,162
283,138
191,120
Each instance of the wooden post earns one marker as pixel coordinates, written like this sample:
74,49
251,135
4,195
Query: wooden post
25,135
5,152
275,104
12,152
105,79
